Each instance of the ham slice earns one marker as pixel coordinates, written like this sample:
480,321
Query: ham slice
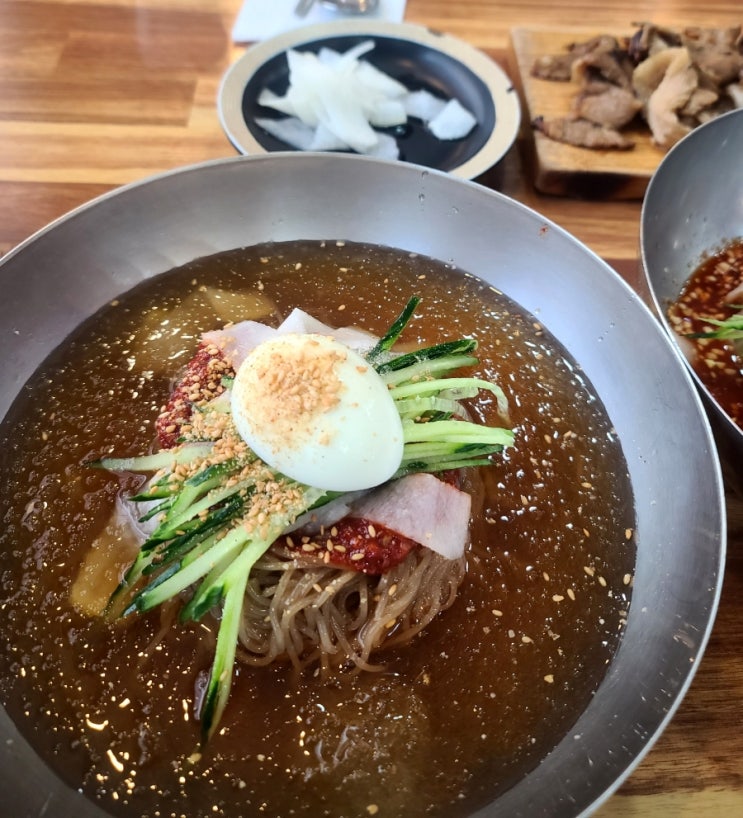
239,340
374,531
422,508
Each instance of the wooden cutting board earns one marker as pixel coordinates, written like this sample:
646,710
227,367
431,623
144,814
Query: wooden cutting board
564,169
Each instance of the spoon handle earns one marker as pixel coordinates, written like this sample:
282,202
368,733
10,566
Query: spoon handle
303,6
352,6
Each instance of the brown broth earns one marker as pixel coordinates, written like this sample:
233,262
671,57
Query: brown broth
460,715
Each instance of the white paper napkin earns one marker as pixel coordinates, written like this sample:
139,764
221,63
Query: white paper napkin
260,19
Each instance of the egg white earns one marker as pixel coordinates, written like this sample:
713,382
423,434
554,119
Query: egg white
338,432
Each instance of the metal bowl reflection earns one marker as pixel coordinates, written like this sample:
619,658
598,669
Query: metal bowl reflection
692,208
63,274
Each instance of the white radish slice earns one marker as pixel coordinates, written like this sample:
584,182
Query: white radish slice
375,80
423,105
284,105
385,113
341,99
453,122
386,148
290,130
325,140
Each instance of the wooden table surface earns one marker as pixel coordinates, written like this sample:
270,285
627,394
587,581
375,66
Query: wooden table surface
98,93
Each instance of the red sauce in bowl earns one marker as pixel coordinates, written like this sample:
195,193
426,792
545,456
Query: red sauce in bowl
707,295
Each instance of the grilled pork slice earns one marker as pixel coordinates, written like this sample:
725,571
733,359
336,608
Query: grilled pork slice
582,133
607,105
559,67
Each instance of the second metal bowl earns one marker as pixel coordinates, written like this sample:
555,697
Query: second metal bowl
694,206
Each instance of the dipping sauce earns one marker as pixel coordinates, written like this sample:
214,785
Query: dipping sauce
710,293
459,715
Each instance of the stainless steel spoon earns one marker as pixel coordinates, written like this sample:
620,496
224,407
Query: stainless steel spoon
352,6
345,6
303,6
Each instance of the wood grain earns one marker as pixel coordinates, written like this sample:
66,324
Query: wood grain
563,169
99,93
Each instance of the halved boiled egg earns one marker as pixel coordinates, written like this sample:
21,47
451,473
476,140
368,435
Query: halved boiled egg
316,411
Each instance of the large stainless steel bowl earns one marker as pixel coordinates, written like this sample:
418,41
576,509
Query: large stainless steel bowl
693,206
64,273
